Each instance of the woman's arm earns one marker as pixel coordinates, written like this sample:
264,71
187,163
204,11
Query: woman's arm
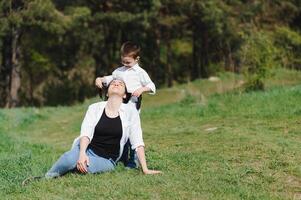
141,157
83,160
137,141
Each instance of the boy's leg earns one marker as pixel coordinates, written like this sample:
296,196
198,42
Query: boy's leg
133,159
64,164
125,154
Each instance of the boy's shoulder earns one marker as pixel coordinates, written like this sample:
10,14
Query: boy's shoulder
139,69
120,68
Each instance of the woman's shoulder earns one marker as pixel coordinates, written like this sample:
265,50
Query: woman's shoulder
97,105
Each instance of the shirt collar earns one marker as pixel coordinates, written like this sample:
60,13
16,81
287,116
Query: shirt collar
135,67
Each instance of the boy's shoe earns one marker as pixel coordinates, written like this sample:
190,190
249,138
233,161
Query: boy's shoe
132,165
31,179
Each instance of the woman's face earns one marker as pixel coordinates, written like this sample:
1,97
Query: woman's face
117,87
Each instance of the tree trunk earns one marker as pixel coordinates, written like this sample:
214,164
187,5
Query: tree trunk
156,61
229,64
15,77
31,82
155,67
204,54
195,71
5,68
168,66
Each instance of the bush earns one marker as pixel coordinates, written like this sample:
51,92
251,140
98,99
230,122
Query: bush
289,44
258,53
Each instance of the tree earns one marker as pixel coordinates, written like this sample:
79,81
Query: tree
19,16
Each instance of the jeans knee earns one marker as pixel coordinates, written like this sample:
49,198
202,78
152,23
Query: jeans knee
69,159
100,167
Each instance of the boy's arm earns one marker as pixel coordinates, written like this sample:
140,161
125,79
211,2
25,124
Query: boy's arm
139,91
105,79
148,84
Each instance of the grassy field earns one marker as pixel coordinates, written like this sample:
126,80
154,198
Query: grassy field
210,144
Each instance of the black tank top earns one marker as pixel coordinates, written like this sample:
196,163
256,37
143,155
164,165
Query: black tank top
107,136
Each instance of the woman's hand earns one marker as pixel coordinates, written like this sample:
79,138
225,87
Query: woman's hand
83,163
148,171
98,82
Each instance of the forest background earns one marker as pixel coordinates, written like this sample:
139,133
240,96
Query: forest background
51,51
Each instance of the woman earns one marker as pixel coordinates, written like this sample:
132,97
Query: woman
105,129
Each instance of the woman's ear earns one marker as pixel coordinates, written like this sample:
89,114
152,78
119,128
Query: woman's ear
137,59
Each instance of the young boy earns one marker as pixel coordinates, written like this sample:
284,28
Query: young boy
137,82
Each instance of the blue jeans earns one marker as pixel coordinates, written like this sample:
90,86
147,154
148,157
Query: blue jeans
67,162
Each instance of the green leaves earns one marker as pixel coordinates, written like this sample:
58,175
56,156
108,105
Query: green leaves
181,40
258,54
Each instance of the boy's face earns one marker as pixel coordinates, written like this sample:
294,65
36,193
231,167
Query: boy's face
128,61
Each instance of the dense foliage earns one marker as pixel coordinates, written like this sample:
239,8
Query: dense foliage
52,50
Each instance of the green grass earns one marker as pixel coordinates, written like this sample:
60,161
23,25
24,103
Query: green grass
253,153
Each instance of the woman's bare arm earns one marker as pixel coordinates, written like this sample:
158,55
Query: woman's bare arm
142,160
83,160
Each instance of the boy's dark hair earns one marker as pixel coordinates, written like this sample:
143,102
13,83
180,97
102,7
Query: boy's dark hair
130,49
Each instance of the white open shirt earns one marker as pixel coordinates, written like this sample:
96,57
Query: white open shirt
130,120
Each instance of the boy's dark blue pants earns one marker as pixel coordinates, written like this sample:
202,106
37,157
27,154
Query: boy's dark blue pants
129,156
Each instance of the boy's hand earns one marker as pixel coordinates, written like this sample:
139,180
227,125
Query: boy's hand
139,91
98,82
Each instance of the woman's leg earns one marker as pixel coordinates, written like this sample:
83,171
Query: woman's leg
65,163
99,164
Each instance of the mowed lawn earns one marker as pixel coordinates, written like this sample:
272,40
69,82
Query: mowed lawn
230,145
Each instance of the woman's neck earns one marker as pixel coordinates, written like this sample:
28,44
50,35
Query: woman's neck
113,105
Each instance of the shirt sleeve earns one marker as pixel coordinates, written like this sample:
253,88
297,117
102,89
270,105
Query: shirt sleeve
108,79
147,82
135,136
87,127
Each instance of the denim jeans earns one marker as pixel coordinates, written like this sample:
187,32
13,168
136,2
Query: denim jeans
67,162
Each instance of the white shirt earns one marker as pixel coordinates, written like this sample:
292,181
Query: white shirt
130,120
134,78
